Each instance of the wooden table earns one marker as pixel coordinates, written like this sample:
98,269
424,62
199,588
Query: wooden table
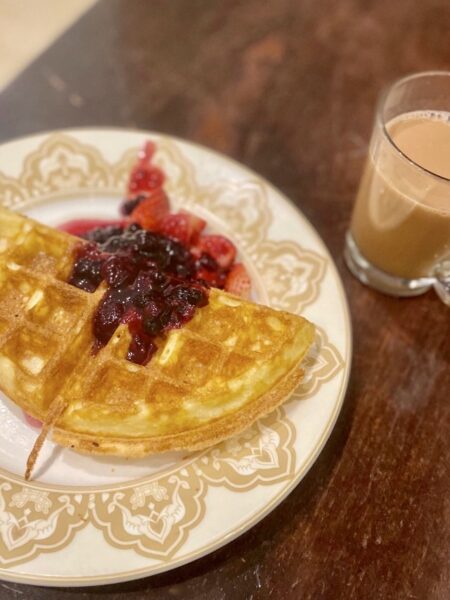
288,88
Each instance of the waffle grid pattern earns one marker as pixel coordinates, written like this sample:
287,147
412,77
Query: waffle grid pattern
228,355
44,322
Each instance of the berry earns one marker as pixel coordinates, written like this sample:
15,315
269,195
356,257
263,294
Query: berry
102,234
195,226
182,226
206,261
117,270
180,315
132,318
152,326
211,278
107,318
144,180
186,295
86,271
238,281
141,349
219,247
127,207
150,211
208,272
176,226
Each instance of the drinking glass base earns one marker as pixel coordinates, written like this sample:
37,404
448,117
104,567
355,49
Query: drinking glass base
379,280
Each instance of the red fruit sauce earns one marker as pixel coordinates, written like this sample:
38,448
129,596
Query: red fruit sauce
80,227
152,285
156,277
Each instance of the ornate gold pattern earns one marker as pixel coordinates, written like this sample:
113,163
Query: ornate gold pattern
33,520
58,166
12,192
291,273
263,454
154,517
321,365
242,206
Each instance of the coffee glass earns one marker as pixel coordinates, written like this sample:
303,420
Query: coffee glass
399,236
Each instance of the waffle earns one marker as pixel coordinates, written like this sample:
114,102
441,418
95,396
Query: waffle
232,363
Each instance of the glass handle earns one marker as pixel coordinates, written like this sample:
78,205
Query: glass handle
442,281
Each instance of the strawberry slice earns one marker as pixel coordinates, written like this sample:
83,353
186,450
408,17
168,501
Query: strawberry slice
238,281
183,227
219,247
145,177
176,226
212,278
151,211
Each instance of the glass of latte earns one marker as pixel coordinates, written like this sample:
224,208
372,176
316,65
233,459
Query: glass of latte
399,236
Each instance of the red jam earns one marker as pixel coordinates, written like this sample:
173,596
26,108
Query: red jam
80,227
157,268
151,280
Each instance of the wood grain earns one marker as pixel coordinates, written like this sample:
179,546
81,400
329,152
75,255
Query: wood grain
288,88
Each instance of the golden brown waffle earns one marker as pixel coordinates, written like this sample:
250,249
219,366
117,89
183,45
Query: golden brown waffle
232,363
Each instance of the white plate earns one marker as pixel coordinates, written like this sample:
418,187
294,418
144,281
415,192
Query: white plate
88,521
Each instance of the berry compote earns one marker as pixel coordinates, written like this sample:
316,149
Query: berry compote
153,284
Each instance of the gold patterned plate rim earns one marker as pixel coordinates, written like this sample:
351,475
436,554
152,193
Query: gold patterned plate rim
158,522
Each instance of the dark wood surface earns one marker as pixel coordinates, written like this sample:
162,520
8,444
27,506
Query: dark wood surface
288,88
